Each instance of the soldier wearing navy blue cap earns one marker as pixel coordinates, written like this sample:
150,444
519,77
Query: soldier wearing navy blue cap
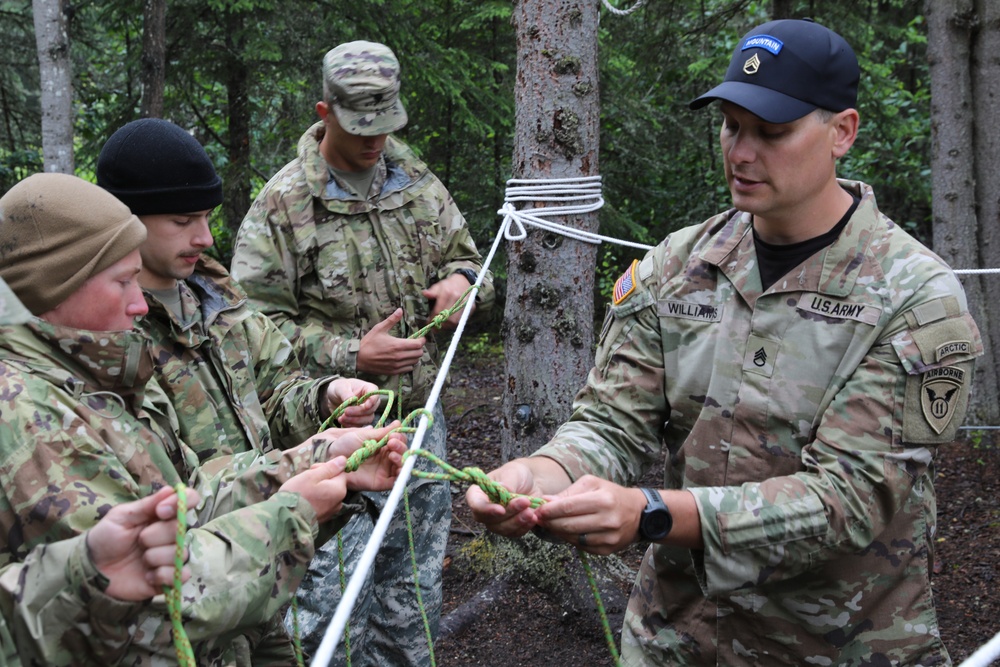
798,358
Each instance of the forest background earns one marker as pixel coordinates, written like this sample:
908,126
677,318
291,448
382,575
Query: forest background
244,76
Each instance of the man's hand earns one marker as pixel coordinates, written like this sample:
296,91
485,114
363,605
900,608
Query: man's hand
324,485
378,472
381,353
445,294
342,389
134,545
517,518
608,514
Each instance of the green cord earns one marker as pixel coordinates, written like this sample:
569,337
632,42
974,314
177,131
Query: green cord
296,634
443,316
185,655
499,494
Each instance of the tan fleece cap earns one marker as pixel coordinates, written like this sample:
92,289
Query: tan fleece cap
56,231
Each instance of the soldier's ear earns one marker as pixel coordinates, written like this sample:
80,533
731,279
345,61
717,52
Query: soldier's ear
322,109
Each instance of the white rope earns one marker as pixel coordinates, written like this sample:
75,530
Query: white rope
335,630
573,196
986,655
623,12
970,272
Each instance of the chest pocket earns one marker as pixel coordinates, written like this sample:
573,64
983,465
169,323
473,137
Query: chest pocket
344,255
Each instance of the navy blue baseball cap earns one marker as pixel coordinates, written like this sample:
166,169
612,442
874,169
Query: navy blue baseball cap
784,69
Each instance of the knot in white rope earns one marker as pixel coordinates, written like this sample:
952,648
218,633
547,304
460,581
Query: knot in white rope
563,197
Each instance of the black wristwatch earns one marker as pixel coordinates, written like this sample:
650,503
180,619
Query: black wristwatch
468,274
656,521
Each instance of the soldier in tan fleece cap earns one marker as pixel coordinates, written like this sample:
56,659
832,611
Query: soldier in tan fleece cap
56,232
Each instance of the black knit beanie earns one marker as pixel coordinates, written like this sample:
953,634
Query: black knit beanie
156,167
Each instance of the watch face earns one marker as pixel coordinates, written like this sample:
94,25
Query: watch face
657,524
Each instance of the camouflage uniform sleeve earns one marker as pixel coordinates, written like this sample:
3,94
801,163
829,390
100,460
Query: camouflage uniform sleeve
459,251
267,266
874,444
56,608
618,416
245,565
291,400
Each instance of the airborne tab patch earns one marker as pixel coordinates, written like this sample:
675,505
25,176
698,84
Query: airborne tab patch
939,396
625,285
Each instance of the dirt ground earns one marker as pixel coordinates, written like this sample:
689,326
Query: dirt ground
513,621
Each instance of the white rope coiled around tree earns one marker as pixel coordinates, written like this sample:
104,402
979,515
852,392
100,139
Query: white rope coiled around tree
572,196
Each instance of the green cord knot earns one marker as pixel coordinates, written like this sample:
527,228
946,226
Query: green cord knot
443,316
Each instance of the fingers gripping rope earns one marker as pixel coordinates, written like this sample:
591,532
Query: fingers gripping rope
499,494
356,400
443,316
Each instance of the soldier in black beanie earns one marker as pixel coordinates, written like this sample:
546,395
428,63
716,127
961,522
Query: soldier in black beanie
155,166
228,370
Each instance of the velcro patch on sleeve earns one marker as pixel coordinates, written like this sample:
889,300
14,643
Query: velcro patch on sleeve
938,358
625,285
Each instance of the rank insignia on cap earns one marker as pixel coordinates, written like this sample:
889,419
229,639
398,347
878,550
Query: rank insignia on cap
625,285
751,65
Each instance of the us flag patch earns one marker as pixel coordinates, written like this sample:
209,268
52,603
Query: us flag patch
625,285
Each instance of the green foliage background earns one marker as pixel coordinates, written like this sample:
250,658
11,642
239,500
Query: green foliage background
659,160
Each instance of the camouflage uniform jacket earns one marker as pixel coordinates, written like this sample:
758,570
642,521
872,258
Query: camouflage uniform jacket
327,265
804,420
56,590
231,375
80,431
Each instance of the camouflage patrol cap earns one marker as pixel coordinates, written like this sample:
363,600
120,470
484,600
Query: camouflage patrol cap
12,311
361,81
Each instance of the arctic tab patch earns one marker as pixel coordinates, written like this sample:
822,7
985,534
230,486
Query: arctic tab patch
625,285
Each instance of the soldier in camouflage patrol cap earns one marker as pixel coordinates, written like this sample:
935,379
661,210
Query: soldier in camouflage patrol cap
350,248
798,358
361,80
82,429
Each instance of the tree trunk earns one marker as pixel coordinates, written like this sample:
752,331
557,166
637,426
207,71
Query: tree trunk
154,57
548,320
961,236
55,74
781,9
986,107
236,179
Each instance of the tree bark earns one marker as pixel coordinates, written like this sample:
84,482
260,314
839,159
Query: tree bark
548,320
154,57
960,233
236,179
56,79
986,109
